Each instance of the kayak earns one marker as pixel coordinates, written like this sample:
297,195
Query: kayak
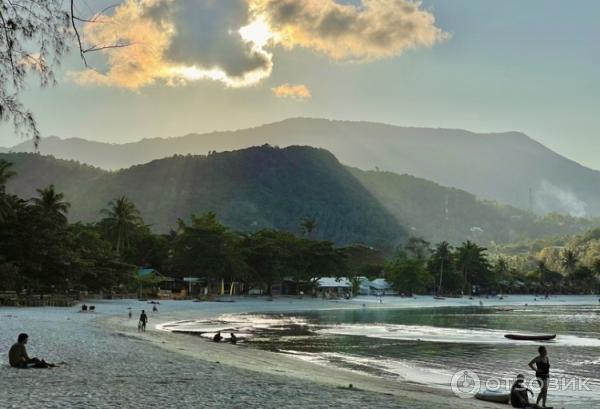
493,396
525,337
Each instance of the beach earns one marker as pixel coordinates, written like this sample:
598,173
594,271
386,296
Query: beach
110,364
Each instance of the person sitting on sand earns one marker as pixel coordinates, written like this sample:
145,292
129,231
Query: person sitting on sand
542,373
18,358
232,338
143,321
519,397
218,337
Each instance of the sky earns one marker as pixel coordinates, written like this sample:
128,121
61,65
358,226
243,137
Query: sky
204,65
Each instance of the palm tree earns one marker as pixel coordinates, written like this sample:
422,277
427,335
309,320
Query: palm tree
569,260
308,225
443,254
5,174
473,262
51,203
123,218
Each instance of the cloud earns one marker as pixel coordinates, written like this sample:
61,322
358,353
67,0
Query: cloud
231,41
374,29
292,91
176,41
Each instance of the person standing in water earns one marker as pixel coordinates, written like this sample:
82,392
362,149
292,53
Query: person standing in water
541,365
143,322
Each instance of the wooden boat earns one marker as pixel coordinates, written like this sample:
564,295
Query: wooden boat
493,396
530,337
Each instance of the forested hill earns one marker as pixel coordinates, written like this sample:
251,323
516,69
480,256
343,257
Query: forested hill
264,186
440,213
250,189
34,171
508,167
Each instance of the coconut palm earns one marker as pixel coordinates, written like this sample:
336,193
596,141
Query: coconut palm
5,175
308,225
471,259
443,254
52,203
569,260
123,218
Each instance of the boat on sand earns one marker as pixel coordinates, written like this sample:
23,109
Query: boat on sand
530,337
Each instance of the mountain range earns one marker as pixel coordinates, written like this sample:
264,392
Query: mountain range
269,187
506,167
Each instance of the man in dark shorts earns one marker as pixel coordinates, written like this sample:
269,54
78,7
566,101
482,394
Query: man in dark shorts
143,321
18,358
218,337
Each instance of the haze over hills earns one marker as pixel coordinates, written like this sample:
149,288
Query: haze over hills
439,213
266,187
507,167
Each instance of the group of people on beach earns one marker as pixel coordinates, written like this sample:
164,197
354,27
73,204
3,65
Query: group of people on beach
218,337
519,397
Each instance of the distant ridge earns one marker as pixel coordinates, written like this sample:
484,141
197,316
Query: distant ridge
507,167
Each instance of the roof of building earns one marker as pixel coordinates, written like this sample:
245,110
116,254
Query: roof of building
380,284
146,273
334,282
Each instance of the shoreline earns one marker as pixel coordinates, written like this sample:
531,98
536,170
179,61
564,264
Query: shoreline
278,364
109,361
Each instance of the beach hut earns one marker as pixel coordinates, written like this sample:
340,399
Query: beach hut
150,277
379,286
334,286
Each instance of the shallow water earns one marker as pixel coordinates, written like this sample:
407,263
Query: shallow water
430,345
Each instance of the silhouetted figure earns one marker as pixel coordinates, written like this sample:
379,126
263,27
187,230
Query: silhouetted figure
518,394
143,321
92,308
542,373
84,308
232,338
129,314
218,337
154,309
18,358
